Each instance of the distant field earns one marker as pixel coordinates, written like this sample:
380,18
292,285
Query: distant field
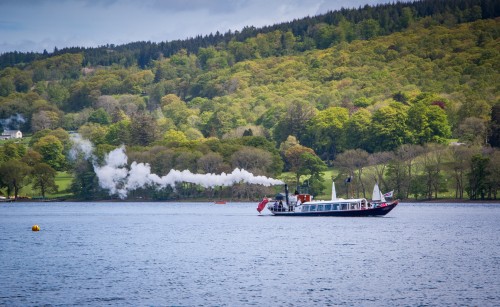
63,180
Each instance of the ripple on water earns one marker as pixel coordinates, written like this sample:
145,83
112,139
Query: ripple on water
201,254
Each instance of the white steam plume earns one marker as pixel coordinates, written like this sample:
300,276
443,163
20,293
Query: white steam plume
118,179
81,146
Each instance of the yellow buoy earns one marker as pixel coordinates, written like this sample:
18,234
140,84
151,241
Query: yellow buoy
35,228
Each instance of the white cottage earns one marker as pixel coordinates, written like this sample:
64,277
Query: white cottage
11,134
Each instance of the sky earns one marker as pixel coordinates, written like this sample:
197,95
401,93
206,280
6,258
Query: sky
35,25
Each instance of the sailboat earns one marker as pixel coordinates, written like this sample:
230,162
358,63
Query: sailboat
304,205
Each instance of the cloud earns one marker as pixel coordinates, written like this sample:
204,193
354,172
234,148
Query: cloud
44,24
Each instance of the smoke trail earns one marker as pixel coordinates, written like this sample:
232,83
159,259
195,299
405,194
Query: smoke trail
13,122
119,180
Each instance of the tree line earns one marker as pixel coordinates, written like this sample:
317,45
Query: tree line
321,31
412,171
267,96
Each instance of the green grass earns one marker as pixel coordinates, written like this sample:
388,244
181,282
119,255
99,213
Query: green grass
63,180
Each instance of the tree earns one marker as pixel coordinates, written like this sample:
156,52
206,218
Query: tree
368,28
173,107
379,162
472,131
493,179
432,164
85,184
326,131
143,130
290,142
252,159
389,129
43,178
294,122
494,135
212,163
51,150
32,158
14,176
357,130
428,123
477,177
407,154
11,150
100,116
44,120
313,166
118,133
296,158
459,165
353,162
96,133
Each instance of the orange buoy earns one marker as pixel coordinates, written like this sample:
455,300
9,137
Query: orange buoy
35,228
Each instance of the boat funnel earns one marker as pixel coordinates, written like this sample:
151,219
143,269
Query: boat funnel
334,192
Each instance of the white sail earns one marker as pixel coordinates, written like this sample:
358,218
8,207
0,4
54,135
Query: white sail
334,193
377,195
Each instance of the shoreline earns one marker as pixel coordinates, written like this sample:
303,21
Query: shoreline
430,201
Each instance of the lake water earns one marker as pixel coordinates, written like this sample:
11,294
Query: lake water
201,254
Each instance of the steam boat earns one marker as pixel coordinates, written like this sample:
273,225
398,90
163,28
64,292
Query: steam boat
304,205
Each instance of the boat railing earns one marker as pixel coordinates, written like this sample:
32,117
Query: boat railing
282,207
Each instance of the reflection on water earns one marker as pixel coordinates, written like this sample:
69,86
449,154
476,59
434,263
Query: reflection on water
195,254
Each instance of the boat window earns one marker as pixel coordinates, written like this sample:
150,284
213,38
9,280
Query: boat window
320,207
336,207
313,208
328,207
305,208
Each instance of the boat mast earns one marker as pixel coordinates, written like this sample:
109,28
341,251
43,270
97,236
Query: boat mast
334,192
286,195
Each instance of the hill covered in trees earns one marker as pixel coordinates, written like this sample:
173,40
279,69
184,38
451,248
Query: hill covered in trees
295,96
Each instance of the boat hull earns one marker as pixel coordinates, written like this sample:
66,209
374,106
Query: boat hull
379,211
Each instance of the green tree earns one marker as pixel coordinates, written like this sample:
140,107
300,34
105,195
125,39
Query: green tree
296,156
357,130
43,179
313,166
118,133
12,150
14,176
389,128
477,177
85,184
428,123
52,151
294,122
473,131
143,130
326,131
100,116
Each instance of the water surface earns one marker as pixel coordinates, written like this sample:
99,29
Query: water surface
201,254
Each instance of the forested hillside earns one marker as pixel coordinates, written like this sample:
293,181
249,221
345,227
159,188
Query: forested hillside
388,85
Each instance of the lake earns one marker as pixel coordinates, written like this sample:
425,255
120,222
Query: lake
202,254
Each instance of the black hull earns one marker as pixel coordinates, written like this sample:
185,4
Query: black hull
379,211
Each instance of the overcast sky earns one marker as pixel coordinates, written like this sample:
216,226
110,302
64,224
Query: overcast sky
35,25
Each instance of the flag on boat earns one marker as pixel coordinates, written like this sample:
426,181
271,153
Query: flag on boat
262,204
389,194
